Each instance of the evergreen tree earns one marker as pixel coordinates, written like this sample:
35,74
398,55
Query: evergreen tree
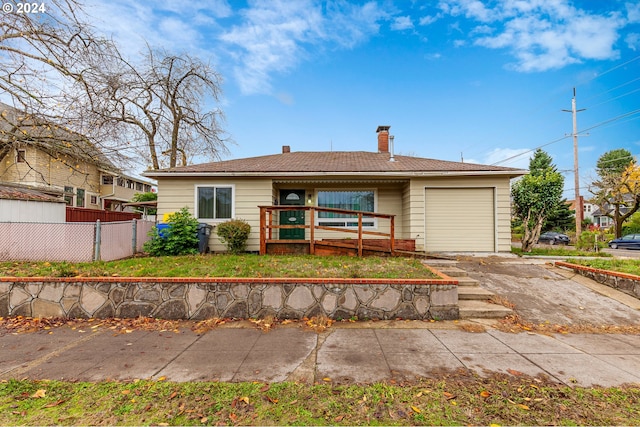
535,196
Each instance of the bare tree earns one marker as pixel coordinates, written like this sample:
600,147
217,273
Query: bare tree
45,54
56,70
163,100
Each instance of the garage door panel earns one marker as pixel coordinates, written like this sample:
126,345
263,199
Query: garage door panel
460,219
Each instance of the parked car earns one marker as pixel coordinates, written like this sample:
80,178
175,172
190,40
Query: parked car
553,238
629,241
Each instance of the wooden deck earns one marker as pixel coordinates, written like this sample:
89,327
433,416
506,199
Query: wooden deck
367,242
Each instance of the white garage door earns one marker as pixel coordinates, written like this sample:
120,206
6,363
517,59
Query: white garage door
460,220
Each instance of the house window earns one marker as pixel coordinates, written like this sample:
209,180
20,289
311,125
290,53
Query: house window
93,200
147,188
139,186
21,156
355,200
68,195
215,202
80,198
121,182
107,179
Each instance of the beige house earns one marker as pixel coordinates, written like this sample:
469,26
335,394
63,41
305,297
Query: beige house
441,205
59,162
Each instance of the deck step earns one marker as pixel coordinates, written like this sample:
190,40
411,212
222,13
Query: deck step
470,309
474,293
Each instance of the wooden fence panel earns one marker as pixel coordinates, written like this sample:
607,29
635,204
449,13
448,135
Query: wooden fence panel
92,215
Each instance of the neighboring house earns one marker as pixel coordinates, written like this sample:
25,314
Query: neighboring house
59,162
588,209
442,205
22,204
600,218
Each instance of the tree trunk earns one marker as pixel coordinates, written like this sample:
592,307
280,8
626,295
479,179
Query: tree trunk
531,235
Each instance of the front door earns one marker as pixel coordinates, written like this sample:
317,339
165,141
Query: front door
295,198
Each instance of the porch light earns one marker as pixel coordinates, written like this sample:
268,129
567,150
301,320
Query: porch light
309,198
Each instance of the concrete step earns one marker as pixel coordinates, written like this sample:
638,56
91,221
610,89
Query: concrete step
466,281
474,293
452,271
470,309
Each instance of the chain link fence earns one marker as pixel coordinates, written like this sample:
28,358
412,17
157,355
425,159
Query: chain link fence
72,241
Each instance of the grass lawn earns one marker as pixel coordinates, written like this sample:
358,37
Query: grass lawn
229,266
500,400
629,266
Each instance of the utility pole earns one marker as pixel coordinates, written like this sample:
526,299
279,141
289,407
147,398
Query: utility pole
578,199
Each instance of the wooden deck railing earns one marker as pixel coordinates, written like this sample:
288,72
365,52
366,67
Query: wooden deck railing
267,226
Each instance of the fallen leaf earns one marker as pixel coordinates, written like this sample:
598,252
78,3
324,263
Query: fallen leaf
162,378
327,379
51,405
521,406
416,410
126,391
514,372
485,394
265,388
245,399
338,418
448,395
39,394
204,420
174,394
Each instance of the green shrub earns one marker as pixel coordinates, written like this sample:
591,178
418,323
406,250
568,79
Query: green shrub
234,234
181,238
590,240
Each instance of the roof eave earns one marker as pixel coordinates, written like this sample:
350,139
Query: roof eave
160,174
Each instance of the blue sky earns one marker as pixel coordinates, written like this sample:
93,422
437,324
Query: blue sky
481,81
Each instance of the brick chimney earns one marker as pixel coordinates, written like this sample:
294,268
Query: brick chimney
286,149
383,139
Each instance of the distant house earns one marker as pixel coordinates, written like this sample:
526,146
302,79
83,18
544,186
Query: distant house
58,162
439,205
22,204
588,209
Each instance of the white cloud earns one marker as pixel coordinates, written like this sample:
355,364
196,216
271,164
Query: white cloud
428,20
633,41
402,23
633,12
273,36
509,157
543,34
171,24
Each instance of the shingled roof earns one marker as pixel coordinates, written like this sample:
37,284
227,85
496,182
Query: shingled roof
334,162
10,192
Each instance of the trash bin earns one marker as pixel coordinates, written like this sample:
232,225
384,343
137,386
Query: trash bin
163,229
204,231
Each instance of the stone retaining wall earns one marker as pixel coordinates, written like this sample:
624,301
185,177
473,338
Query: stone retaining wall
200,298
627,283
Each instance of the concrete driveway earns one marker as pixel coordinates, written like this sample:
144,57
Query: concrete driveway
543,293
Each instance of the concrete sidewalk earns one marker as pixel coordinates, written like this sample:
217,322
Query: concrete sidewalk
345,353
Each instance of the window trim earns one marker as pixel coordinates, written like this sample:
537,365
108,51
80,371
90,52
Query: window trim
214,185
81,201
21,155
323,221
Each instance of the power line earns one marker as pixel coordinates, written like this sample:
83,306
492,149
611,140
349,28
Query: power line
613,119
